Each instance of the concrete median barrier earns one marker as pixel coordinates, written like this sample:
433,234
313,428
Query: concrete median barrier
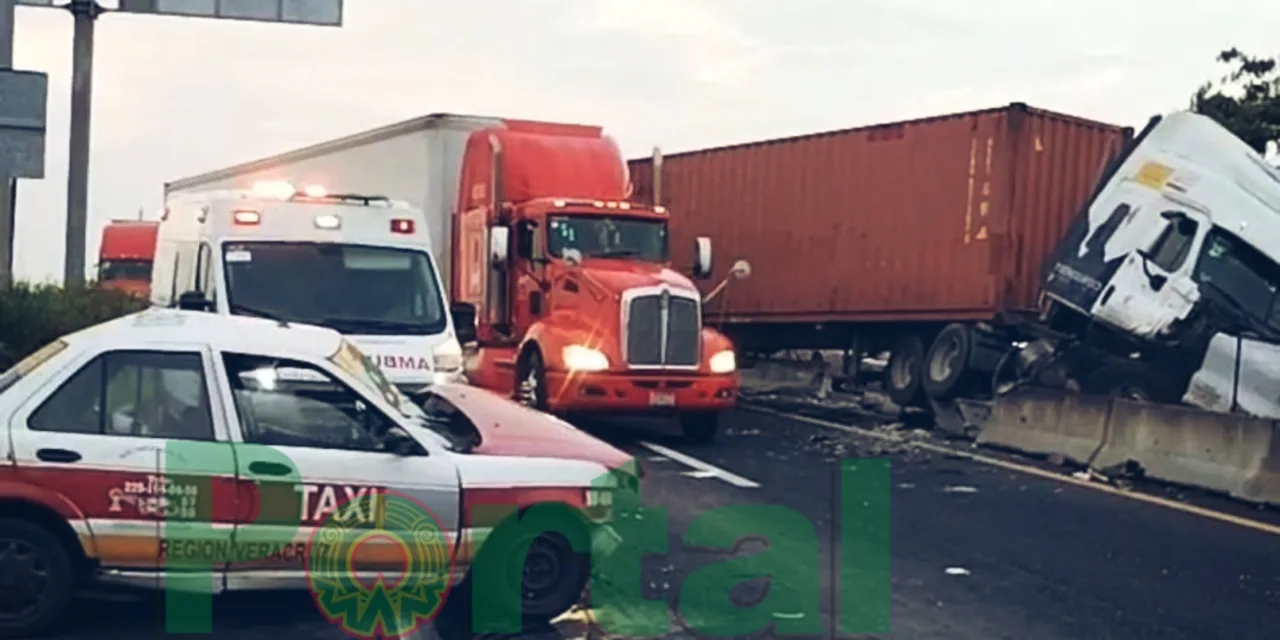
1045,422
1231,454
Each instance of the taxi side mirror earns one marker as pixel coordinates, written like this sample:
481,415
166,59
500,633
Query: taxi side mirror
194,301
399,442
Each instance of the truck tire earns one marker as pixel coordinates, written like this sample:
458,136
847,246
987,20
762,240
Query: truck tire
700,427
531,381
946,366
1130,380
903,372
34,563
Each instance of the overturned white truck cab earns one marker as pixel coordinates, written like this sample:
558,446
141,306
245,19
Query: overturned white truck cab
1165,289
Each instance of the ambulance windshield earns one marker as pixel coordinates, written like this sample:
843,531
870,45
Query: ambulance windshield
353,289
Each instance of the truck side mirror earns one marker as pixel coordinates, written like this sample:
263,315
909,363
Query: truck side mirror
194,301
527,245
1156,280
702,258
499,245
464,322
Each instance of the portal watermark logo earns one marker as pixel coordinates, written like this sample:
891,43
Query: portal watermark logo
379,566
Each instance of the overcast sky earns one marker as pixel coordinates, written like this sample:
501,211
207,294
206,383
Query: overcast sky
178,96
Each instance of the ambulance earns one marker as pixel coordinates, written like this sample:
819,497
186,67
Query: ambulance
359,264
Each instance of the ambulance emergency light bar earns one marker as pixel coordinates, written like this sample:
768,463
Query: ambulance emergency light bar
285,191
280,190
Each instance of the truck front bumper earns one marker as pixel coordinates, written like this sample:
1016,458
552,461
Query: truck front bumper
631,394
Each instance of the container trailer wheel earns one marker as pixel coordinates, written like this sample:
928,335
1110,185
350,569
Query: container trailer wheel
903,372
531,381
946,366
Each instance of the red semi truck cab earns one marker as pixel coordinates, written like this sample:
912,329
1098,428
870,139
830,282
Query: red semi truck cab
578,309
125,257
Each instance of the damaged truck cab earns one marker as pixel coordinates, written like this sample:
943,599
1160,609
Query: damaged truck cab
1165,287
577,307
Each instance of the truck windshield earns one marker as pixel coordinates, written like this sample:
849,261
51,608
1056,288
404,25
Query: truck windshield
607,237
1235,269
353,289
109,270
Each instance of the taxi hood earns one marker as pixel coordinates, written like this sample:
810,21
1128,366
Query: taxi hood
617,276
510,429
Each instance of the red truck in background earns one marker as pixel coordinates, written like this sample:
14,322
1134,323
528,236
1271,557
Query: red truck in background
566,285
125,257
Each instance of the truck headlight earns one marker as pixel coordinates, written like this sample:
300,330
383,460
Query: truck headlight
447,356
723,362
580,358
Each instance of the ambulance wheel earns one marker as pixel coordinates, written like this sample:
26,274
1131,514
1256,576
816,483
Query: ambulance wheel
36,579
903,372
531,381
700,427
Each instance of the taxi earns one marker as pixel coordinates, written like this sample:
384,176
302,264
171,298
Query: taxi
172,441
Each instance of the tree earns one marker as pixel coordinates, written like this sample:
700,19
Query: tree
1246,101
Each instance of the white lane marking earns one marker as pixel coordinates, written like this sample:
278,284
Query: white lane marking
690,461
701,475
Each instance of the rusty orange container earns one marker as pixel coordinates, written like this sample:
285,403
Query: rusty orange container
948,218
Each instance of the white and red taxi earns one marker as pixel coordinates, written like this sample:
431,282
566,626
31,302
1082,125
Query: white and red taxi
169,434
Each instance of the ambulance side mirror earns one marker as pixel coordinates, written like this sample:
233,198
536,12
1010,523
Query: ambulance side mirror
194,301
464,322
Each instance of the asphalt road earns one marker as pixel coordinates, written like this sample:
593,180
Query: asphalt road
976,551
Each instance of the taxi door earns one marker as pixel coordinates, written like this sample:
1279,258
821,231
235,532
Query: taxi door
128,435
330,502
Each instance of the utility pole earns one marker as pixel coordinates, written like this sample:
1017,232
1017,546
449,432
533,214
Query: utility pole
86,14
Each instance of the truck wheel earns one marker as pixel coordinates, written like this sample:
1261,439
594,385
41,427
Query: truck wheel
1131,381
531,382
903,372
946,364
700,427
36,580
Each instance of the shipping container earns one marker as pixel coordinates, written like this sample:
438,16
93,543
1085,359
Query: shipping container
944,218
873,233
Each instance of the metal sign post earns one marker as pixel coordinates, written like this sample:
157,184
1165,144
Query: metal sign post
23,98
86,12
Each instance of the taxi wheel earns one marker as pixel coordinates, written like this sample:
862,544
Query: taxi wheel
700,427
553,578
36,580
531,381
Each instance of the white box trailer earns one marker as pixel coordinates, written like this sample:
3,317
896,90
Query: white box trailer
417,161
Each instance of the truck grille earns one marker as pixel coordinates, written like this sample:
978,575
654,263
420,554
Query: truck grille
663,331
